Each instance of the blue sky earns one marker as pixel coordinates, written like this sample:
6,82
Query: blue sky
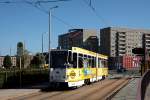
23,22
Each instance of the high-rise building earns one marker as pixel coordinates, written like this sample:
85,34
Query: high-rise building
83,38
120,41
146,41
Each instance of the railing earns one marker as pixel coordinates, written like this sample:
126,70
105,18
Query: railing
143,84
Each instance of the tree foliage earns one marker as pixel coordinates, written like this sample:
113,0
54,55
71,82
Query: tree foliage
26,59
7,61
37,60
23,56
20,48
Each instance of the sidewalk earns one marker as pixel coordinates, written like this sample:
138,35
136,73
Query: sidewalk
129,92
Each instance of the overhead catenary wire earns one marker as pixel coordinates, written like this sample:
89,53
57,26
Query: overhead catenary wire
47,1
37,1
37,5
45,11
89,4
59,19
9,2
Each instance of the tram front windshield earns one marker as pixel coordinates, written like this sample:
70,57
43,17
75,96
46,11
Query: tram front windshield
59,59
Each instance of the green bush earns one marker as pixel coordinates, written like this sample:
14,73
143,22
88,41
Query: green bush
2,79
16,78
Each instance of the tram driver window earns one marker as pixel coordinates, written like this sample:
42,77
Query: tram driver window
70,62
69,57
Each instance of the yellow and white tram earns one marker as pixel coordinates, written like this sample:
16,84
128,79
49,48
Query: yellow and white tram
77,67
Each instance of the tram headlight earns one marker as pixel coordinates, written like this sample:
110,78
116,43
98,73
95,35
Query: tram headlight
51,69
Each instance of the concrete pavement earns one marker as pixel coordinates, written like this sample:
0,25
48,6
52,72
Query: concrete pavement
6,94
129,92
147,94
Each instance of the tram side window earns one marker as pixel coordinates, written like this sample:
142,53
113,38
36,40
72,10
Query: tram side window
105,63
102,63
80,62
74,60
90,62
93,62
86,61
99,63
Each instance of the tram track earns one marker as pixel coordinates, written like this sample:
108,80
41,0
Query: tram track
75,93
94,91
35,96
105,93
47,95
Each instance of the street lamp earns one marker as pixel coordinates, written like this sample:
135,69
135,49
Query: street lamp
43,41
49,43
43,63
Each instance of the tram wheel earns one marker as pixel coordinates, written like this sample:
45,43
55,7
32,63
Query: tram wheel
103,77
87,81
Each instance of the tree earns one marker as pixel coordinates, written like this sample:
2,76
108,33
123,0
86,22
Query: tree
25,59
7,61
37,60
23,56
20,48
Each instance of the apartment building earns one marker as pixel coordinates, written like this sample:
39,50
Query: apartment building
83,38
146,41
116,41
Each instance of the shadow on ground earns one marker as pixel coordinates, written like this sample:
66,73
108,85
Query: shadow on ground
51,89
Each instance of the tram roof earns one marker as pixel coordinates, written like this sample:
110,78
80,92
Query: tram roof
83,51
87,52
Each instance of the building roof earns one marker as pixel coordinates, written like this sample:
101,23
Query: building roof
128,29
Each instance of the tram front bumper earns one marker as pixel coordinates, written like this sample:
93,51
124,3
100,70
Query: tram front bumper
66,84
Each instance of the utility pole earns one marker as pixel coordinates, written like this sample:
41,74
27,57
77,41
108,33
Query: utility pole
24,54
43,49
10,51
49,43
42,43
